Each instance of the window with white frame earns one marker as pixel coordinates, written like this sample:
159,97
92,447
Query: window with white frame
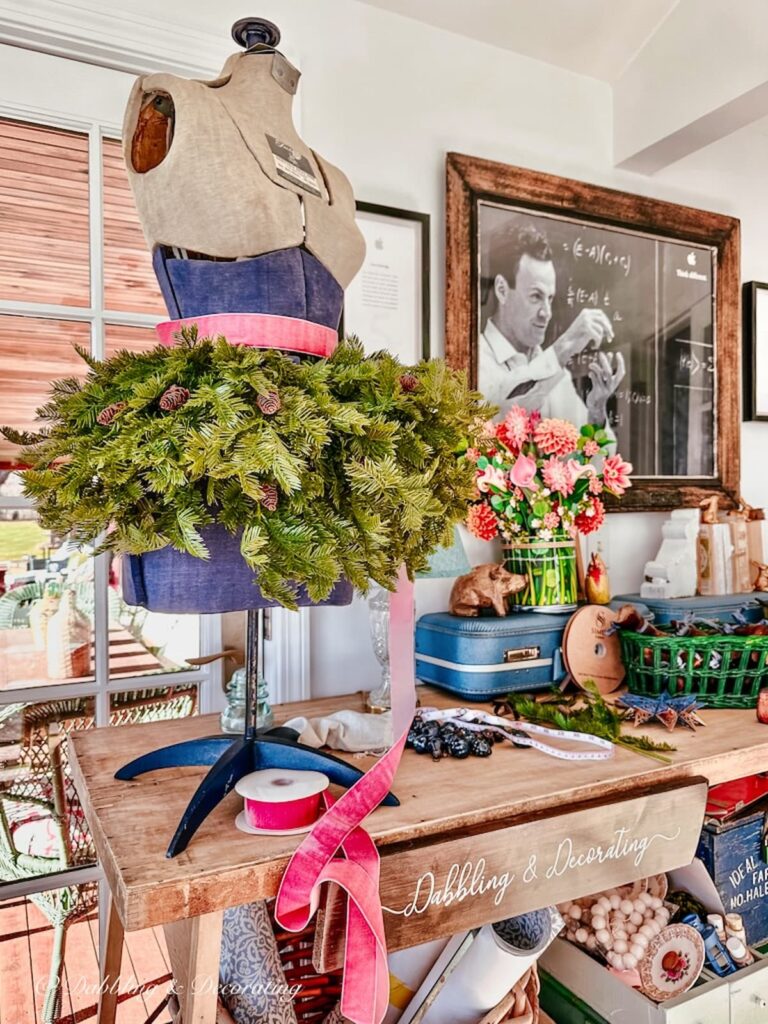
74,268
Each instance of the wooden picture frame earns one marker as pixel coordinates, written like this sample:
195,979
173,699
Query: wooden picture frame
755,375
475,185
401,286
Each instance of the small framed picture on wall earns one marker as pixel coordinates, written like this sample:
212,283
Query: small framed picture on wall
755,356
387,303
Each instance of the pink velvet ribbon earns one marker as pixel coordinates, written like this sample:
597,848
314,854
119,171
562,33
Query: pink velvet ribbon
258,330
365,988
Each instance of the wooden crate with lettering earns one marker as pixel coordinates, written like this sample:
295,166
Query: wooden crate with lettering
734,854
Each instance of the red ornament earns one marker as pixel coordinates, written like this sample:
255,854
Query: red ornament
269,497
481,521
409,382
174,398
269,403
106,416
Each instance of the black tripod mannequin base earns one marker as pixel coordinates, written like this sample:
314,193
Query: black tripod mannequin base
231,759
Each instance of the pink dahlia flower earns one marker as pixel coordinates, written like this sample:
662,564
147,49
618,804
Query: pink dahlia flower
558,476
616,475
517,427
591,448
556,437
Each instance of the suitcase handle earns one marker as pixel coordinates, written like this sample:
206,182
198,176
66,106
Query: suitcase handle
516,654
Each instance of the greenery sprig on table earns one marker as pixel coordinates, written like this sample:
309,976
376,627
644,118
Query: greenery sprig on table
586,712
342,467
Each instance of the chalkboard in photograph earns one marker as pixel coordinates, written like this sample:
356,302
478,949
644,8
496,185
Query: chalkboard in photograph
639,312
597,306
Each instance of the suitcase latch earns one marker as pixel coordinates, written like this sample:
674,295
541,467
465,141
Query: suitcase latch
521,654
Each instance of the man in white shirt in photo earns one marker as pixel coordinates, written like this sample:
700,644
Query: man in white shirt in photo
513,366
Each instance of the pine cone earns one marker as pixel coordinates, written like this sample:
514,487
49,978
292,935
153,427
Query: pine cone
174,398
269,403
269,497
409,382
106,416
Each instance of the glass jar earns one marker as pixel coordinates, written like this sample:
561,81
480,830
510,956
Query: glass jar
550,569
233,715
380,699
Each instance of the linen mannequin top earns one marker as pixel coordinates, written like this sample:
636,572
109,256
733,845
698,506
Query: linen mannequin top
237,180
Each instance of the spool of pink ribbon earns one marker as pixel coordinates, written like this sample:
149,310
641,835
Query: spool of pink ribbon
280,800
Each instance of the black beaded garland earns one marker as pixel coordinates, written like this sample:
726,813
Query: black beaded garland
481,747
441,739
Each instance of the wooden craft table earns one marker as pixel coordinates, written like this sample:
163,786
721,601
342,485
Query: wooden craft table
472,841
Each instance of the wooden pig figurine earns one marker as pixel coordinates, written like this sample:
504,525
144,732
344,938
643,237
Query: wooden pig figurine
487,586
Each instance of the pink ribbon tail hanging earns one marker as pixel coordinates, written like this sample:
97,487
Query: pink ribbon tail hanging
365,989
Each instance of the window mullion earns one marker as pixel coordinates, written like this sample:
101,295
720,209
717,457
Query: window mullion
101,562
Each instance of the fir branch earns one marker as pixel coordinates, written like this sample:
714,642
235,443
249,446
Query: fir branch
587,712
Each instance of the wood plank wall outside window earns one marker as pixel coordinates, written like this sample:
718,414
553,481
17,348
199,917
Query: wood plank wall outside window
45,261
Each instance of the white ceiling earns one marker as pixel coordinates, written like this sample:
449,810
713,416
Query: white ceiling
598,38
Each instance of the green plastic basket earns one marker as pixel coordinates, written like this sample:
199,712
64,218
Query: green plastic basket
723,671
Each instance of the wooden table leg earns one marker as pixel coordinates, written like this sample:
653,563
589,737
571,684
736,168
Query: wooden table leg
194,948
110,966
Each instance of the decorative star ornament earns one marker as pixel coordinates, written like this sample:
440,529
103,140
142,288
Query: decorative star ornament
669,710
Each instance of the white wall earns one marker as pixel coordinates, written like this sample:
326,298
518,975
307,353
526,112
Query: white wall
385,98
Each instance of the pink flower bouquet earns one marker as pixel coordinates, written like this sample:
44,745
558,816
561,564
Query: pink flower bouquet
539,484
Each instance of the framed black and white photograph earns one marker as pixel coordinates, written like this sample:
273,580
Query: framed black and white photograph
755,360
600,307
387,303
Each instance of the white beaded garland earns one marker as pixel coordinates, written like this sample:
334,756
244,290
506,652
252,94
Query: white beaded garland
617,927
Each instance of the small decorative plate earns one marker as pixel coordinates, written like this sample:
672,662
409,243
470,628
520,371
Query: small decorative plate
672,963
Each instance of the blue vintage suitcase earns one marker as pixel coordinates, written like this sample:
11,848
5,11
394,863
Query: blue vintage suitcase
489,656
720,608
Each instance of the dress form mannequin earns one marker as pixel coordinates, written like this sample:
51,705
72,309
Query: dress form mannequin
243,219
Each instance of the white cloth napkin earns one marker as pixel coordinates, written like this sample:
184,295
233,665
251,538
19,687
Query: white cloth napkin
345,730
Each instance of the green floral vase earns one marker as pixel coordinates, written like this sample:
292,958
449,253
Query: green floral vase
550,568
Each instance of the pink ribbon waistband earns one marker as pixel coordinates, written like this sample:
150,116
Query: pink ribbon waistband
259,330
365,991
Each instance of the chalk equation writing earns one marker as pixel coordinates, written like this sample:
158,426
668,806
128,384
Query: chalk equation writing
695,365
599,253
473,879
583,297
632,397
